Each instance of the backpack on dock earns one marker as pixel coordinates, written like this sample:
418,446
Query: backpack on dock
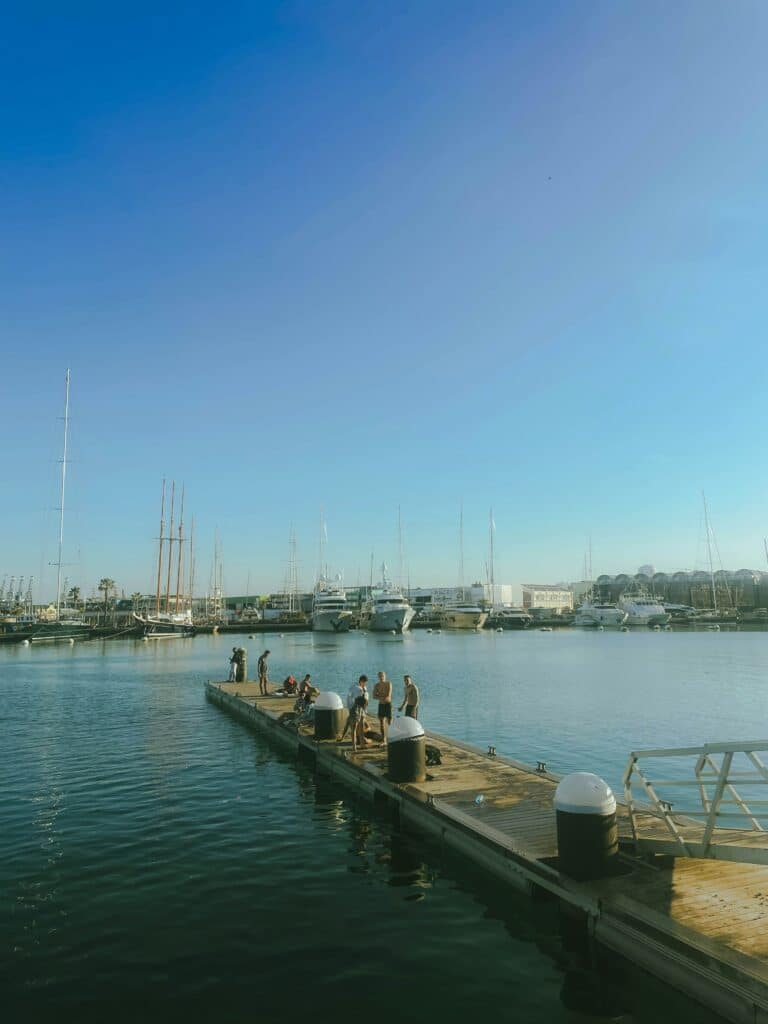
432,755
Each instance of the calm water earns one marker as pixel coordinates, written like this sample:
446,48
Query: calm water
158,859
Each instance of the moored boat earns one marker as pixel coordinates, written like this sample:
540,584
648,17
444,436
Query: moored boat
462,616
591,614
329,607
642,609
509,618
386,609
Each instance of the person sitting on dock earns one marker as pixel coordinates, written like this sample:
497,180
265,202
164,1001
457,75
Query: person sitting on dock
261,667
411,698
290,686
382,692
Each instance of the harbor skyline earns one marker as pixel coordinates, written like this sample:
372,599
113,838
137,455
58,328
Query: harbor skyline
358,260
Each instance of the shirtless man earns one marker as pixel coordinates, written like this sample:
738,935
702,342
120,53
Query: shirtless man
410,699
383,694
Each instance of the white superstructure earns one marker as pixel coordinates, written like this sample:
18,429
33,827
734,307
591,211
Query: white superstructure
386,609
329,606
643,610
598,613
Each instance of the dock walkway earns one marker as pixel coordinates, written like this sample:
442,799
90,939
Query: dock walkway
700,925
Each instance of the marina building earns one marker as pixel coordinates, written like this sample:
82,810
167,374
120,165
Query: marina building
484,594
554,596
745,589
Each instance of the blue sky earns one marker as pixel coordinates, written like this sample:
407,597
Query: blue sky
366,255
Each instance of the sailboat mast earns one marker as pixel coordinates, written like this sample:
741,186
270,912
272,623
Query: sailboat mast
181,548
399,549
63,486
709,551
765,545
191,562
170,550
160,550
492,578
321,549
461,552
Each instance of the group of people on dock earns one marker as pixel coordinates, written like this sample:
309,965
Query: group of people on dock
357,706
357,698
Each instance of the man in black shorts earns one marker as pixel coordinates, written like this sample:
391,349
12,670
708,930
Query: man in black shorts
262,670
383,693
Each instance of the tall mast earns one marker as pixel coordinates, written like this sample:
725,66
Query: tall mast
399,549
765,545
191,562
709,551
492,578
170,550
322,569
63,486
160,550
181,548
461,552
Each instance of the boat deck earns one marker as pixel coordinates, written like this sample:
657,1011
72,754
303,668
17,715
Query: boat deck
701,925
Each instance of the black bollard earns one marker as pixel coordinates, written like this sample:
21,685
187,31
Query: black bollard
329,716
406,753
587,837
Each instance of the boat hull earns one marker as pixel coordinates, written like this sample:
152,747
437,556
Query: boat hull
452,618
397,619
608,618
164,629
331,621
45,632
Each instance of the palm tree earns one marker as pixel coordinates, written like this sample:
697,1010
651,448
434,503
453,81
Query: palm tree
106,585
137,600
74,596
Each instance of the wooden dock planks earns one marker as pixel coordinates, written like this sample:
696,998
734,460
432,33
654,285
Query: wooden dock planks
700,924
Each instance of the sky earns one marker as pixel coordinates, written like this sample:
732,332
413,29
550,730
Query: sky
359,257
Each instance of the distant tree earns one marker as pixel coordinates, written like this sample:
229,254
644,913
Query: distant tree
137,600
106,585
74,596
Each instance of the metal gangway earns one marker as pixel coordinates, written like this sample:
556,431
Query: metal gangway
693,801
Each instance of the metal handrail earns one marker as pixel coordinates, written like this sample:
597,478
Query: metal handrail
713,770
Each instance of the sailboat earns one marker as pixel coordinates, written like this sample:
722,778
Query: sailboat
67,625
462,613
714,614
172,616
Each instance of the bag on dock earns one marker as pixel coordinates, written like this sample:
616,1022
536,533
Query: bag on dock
432,755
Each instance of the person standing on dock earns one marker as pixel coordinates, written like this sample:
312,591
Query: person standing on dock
410,699
233,662
382,692
262,669
358,692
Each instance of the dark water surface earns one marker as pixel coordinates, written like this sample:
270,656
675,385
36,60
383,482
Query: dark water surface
158,860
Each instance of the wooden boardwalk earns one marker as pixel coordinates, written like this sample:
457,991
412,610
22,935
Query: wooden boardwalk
701,925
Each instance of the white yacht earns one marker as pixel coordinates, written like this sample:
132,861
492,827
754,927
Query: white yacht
642,609
593,613
329,606
462,615
386,609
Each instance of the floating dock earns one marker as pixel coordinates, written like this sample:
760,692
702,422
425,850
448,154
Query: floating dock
699,925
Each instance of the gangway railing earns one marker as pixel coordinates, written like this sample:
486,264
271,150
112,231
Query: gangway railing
716,775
